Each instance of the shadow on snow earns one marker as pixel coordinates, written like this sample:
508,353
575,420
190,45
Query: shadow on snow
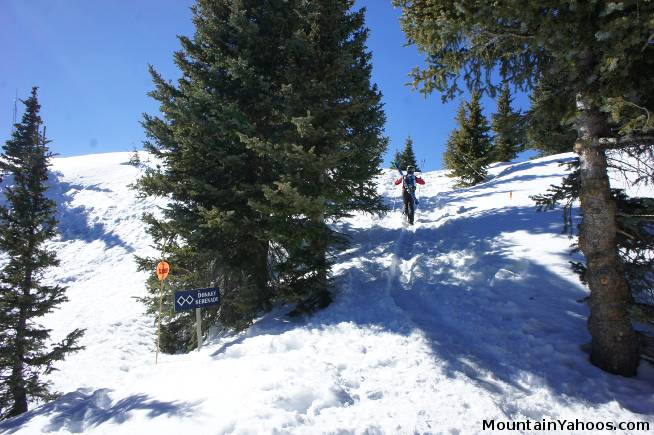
83,409
488,314
75,222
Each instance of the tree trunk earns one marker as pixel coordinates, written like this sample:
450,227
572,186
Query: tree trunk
18,386
614,342
318,295
262,275
17,381
322,297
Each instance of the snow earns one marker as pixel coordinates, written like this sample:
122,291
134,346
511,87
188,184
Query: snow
471,314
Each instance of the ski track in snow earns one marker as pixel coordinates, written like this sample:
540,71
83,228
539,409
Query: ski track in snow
470,314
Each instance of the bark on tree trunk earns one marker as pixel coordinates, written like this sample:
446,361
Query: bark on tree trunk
614,342
318,296
18,385
17,382
323,296
262,272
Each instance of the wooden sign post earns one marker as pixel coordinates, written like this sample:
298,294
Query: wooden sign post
163,269
198,326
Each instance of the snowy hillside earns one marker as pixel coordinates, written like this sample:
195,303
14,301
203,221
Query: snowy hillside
472,314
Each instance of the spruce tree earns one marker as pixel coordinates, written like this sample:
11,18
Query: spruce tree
599,53
27,222
329,150
397,160
468,150
272,132
507,126
407,157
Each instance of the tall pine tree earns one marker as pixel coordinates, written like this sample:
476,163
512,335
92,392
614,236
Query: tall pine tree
599,53
272,132
27,222
507,126
468,151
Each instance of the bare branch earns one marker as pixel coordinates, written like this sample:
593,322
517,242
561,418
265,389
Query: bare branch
509,35
625,142
635,215
649,42
625,234
639,107
625,166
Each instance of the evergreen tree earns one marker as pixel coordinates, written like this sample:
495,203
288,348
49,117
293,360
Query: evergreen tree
598,52
507,126
272,132
549,120
27,222
135,159
407,157
397,160
468,151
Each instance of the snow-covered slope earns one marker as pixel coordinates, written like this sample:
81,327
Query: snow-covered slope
472,314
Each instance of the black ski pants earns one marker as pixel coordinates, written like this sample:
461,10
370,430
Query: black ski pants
409,206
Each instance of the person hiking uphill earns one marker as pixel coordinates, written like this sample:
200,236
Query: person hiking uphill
409,181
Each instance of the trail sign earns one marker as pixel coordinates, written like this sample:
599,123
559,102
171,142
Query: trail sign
202,297
163,269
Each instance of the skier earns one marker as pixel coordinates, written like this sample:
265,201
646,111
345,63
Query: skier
409,181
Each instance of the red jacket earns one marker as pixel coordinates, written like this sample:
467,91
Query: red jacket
418,180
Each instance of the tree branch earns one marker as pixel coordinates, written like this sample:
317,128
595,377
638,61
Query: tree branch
625,142
509,35
624,233
649,42
639,107
625,167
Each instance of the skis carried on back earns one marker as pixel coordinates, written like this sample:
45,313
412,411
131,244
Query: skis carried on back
411,191
409,208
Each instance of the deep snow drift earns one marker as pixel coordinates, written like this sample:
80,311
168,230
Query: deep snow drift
472,314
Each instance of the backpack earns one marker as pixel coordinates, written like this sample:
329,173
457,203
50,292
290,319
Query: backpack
409,183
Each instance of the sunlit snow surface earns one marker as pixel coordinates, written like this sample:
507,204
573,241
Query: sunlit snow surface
471,314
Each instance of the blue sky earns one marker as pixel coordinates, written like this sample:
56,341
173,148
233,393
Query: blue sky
89,59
